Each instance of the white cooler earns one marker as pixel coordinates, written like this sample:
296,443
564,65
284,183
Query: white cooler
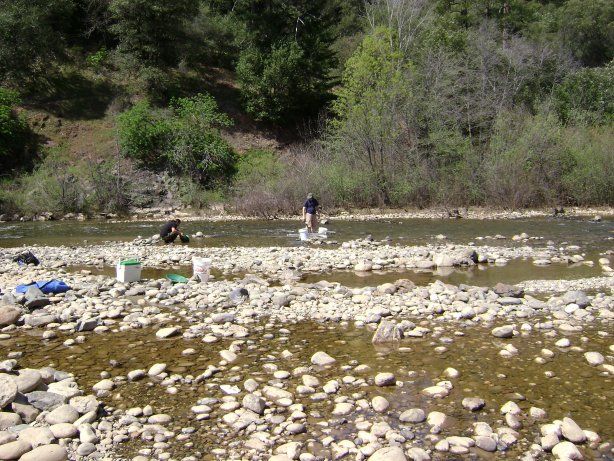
129,270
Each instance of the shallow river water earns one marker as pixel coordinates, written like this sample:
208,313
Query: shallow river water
572,388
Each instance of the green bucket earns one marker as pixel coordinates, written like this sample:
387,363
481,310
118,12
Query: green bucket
185,238
176,278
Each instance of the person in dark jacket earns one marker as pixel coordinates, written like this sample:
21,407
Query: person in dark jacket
170,231
310,210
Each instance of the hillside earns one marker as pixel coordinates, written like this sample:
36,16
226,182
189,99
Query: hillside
107,105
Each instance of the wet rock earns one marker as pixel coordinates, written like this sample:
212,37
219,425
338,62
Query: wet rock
167,332
386,332
436,391
485,443
13,450
157,369
388,454
46,453
385,379
380,404
322,359
9,315
571,431
8,390
566,451
506,331
594,358
473,403
413,415
548,442
436,418
418,454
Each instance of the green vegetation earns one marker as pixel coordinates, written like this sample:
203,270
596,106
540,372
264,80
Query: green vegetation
395,103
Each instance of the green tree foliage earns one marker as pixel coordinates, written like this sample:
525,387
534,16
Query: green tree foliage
31,37
151,35
587,27
15,135
284,72
184,139
587,96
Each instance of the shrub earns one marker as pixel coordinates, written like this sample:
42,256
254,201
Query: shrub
185,139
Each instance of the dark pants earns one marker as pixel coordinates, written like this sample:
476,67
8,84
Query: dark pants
170,238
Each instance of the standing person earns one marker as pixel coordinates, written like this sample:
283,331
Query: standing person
310,210
170,231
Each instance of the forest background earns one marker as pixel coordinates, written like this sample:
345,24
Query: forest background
108,105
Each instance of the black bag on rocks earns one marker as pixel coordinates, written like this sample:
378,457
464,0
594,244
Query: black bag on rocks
26,258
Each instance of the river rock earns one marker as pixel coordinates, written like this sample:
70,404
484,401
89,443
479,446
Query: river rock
13,450
571,431
380,404
8,390
64,431
37,436
28,380
87,324
485,443
254,403
35,298
473,403
9,315
84,403
513,291
576,297
62,414
386,332
566,451
46,453
413,415
167,332
388,454
8,420
322,359
594,358
436,418
238,295
385,379
506,331
45,401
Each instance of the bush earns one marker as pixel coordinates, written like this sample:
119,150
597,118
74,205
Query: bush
185,139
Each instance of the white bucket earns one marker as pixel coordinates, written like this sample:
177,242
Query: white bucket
201,268
303,234
322,230
128,273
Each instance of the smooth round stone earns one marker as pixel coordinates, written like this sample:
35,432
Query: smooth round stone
385,379
64,431
473,403
388,454
485,443
380,404
321,358
62,414
13,450
28,380
8,390
46,453
414,415
86,449
566,451
37,436
295,428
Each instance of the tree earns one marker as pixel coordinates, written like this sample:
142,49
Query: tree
30,37
151,35
14,135
303,31
587,27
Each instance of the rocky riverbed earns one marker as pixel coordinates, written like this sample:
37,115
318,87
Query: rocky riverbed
264,366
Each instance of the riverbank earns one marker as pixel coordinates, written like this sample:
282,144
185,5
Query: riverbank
218,214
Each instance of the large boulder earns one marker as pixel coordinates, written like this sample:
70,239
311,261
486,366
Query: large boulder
513,291
46,453
386,332
576,297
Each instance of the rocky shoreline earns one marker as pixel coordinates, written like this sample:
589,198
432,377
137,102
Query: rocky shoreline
217,215
259,394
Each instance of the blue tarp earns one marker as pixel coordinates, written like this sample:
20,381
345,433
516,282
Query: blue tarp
47,287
